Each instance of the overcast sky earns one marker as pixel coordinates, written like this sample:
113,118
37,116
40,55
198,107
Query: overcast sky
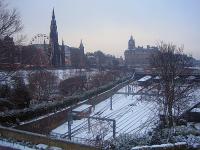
108,24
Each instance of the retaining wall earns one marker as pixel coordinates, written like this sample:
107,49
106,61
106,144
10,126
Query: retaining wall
41,139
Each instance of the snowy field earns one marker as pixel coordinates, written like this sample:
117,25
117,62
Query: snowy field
131,116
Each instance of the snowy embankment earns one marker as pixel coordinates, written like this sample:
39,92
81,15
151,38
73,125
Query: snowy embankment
19,146
131,116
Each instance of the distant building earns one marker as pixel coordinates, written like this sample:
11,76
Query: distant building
138,57
102,61
64,55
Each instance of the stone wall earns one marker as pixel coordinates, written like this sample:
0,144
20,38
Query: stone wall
45,124
41,139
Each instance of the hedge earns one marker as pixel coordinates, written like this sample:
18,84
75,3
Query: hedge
13,116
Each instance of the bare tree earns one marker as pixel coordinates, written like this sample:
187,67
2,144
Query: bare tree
10,21
10,24
42,84
72,85
170,63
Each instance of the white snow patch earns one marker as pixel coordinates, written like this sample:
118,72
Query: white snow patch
145,78
82,107
196,110
14,145
42,146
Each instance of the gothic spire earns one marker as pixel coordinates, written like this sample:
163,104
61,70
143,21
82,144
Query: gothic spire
81,44
53,14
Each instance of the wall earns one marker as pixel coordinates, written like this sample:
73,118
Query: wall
41,139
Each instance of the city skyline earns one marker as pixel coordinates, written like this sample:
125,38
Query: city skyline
107,25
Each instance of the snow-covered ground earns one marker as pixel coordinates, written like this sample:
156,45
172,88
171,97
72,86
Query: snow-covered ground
14,145
131,116
62,74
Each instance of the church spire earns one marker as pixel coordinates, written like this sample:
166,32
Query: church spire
53,14
81,45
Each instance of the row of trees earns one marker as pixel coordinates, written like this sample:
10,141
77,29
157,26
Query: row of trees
83,83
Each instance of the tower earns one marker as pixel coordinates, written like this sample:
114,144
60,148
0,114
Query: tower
63,54
131,43
53,42
82,56
81,47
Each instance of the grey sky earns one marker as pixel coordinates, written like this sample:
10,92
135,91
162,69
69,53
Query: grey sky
107,24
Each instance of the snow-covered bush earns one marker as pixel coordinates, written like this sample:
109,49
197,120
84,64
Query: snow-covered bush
127,141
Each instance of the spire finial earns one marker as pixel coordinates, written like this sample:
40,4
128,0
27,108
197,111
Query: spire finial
53,14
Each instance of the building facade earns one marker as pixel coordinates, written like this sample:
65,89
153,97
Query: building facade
138,57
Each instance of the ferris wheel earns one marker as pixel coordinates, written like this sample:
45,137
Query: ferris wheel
39,39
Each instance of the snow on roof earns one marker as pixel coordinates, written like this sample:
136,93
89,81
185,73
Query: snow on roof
82,107
42,146
177,77
54,148
157,78
191,78
145,78
196,110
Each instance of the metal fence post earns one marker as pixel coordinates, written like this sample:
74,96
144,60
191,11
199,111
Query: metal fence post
69,122
114,129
